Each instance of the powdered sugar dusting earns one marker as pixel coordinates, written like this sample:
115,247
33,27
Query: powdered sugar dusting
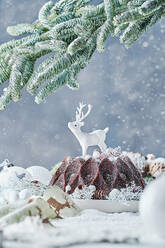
129,193
111,153
85,193
138,160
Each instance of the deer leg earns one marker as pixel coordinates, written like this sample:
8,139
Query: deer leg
84,149
102,146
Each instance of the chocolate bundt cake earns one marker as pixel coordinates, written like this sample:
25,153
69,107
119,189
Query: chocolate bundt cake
103,173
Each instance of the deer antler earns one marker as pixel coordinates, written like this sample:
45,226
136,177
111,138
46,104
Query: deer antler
88,112
79,114
79,111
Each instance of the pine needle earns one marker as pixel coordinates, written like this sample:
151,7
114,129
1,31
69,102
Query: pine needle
69,32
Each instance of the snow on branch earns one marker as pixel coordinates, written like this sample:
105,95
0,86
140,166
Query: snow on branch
70,31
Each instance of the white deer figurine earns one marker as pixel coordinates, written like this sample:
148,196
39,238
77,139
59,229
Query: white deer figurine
87,139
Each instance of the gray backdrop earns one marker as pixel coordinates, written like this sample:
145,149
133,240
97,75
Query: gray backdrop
125,86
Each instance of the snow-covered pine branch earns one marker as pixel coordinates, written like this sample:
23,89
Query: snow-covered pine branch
72,30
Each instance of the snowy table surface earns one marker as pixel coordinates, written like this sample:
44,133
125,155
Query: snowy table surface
90,229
